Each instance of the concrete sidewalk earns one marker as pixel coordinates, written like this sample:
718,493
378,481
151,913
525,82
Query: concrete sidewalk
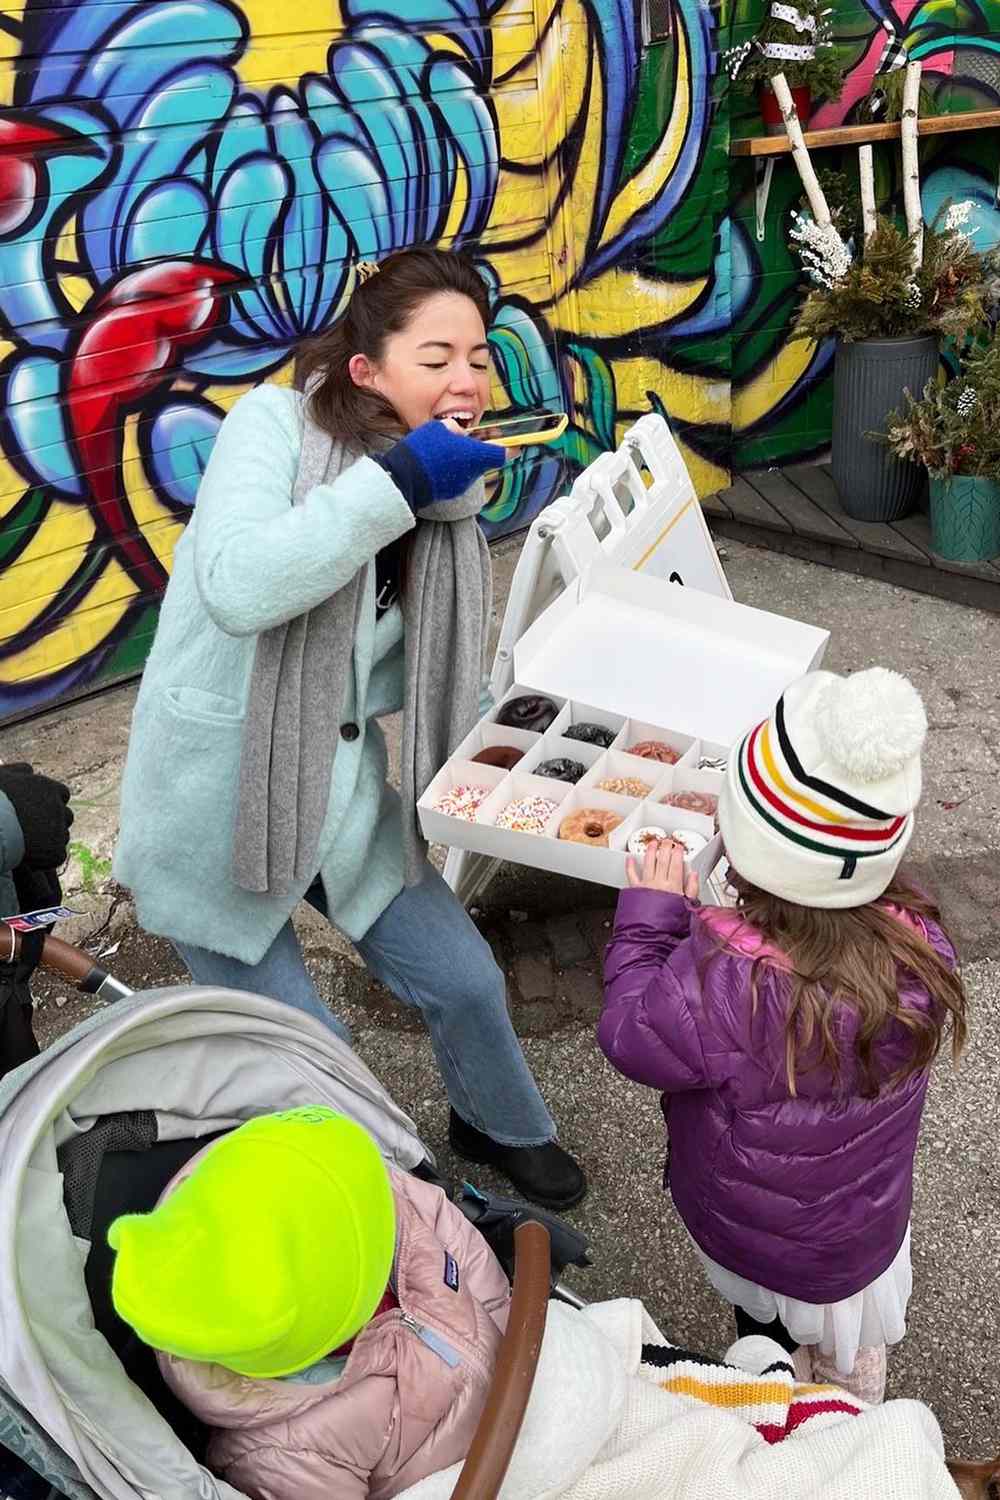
548,934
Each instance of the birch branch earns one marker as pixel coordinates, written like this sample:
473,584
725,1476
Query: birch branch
866,171
800,151
911,164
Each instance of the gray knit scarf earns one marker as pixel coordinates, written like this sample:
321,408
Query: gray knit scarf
300,678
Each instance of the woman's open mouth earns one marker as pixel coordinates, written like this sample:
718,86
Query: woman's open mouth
462,415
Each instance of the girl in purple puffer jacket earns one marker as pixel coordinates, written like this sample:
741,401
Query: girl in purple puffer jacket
792,1037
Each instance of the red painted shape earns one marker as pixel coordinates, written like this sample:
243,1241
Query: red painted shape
139,331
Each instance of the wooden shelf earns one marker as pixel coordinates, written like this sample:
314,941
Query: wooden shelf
857,135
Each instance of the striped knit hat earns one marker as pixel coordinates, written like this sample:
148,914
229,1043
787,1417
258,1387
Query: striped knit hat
818,802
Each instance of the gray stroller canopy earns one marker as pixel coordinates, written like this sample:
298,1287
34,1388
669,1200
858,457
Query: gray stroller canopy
203,1060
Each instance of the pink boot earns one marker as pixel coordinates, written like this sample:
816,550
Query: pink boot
866,1380
802,1364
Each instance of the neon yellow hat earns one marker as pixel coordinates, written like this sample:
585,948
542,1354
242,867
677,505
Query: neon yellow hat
275,1251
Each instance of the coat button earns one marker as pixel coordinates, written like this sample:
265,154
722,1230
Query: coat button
349,731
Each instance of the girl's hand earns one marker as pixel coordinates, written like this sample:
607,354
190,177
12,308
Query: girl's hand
663,870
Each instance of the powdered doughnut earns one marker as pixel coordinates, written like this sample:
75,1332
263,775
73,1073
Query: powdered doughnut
693,843
561,769
713,763
531,711
642,837
625,786
462,801
591,825
505,756
590,734
656,750
527,814
696,802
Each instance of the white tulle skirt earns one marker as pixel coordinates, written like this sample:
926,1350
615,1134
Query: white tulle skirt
876,1315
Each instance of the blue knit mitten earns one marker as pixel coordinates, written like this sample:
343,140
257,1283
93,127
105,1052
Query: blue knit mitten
433,463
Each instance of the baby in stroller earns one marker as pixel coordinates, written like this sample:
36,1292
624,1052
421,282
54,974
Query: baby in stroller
333,1321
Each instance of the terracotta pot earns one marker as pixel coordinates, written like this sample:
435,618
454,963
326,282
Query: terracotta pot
770,109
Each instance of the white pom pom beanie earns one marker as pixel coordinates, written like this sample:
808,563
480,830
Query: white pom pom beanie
818,802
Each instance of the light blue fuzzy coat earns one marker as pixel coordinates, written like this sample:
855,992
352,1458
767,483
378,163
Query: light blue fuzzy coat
247,561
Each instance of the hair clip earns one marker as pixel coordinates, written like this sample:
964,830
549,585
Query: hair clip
366,269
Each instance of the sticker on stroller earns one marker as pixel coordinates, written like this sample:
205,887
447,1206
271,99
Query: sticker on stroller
28,921
450,1272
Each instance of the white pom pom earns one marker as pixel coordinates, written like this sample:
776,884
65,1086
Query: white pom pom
871,724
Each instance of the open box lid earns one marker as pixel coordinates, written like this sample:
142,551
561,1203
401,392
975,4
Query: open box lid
687,660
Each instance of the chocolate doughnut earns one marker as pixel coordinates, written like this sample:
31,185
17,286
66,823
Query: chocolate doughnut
530,711
591,825
505,756
591,734
561,769
656,750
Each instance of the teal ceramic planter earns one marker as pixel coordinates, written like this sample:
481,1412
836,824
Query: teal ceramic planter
965,518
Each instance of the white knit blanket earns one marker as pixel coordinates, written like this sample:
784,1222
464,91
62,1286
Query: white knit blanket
596,1430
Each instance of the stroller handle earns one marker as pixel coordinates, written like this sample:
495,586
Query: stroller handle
74,964
490,1454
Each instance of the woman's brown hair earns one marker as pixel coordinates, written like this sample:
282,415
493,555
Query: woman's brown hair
379,307
856,958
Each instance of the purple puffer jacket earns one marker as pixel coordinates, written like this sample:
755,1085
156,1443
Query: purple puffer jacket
807,1195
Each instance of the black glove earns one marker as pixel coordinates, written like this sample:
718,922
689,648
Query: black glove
42,808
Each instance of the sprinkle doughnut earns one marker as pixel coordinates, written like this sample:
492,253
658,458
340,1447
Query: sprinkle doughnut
625,786
591,734
656,750
591,825
561,769
462,802
504,756
527,814
696,802
531,711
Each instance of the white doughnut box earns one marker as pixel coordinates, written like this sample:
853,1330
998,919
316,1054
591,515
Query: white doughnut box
648,660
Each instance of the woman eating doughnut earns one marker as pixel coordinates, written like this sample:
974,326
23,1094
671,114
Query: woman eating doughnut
334,571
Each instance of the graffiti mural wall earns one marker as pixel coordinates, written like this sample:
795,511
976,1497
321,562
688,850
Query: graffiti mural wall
186,187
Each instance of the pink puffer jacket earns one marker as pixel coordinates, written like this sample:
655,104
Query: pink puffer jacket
412,1391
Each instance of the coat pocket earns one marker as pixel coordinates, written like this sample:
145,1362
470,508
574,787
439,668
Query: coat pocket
202,706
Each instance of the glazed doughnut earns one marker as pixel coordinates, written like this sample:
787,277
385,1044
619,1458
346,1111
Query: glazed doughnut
656,750
560,769
591,825
693,843
531,711
462,802
504,756
591,734
696,802
527,814
625,786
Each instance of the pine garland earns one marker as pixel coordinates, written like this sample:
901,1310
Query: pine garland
795,39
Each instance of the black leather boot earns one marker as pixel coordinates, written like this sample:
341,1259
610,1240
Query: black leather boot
544,1174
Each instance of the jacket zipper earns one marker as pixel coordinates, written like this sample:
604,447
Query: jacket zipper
434,1341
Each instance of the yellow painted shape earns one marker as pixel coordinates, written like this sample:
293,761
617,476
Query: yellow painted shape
85,628
76,289
285,41
708,478
10,49
142,498
753,401
45,566
12,486
619,303
66,245
650,180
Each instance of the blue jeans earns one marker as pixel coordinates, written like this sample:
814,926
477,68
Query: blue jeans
428,951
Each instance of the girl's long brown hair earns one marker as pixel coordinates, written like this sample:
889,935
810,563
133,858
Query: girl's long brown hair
856,958
379,307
